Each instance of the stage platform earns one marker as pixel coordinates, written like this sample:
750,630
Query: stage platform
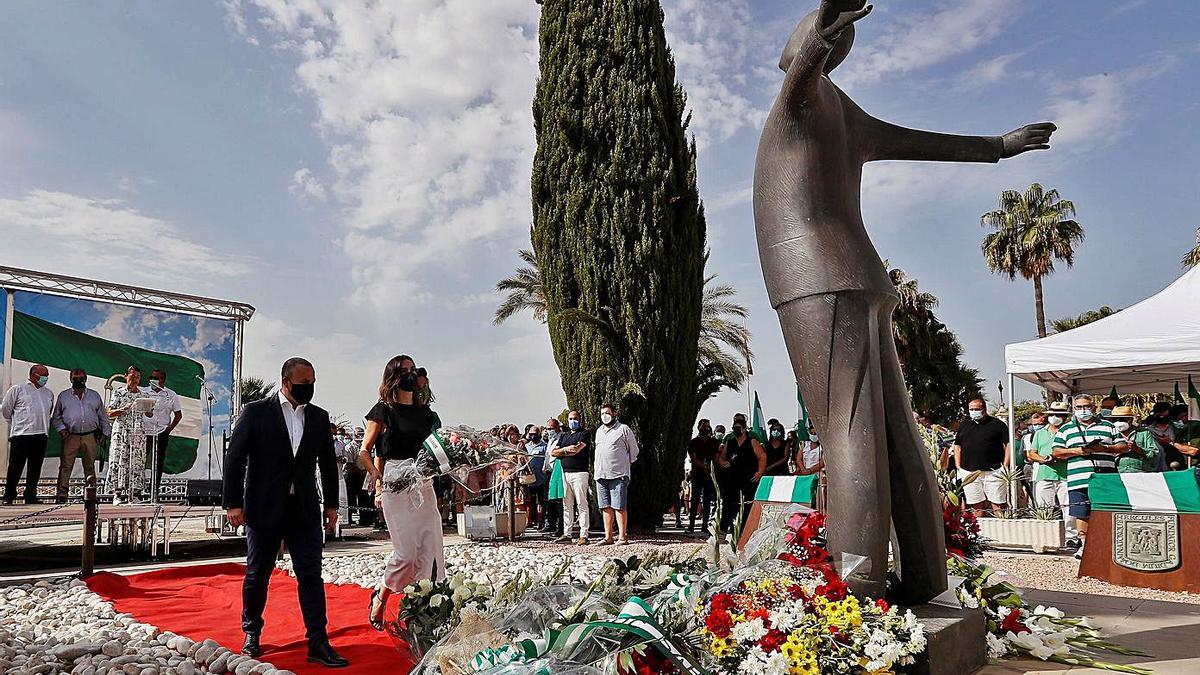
141,527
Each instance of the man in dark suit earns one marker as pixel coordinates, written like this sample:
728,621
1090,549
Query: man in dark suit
270,487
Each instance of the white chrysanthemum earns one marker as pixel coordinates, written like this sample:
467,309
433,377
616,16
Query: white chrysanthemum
749,631
755,662
996,647
777,664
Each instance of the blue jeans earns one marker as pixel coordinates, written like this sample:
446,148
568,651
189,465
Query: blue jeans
612,493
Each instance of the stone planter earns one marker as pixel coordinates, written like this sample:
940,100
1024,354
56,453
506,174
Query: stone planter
1038,535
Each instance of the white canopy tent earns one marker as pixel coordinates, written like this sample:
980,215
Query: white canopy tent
1146,348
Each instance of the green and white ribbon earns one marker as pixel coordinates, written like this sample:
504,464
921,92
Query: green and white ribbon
635,618
435,446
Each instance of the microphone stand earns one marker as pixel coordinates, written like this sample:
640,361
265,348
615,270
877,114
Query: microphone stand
208,402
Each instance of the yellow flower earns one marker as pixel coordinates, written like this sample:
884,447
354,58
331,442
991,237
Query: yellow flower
720,647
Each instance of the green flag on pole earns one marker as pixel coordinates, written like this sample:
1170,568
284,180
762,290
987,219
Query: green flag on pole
1113,394
758,427
1192,393
1179,394
802,417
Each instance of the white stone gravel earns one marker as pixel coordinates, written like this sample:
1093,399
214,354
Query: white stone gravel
479,563
63,627
1058,573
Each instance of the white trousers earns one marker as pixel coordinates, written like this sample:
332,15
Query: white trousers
1054,493
575,498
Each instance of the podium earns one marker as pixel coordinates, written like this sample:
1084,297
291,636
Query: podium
1144,531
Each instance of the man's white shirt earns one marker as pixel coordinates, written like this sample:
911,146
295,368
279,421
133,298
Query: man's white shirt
166,404
28,409
294,418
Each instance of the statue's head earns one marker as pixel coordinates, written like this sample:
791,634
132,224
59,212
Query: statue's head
840,48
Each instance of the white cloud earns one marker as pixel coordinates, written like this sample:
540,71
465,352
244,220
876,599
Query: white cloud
425,107
922,40
306,184
716,49
102,237
134,184
989,71
1091,110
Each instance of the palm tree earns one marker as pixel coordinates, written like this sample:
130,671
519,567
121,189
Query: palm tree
1068,322
722,325
1192,257
1032,231
911,320
255,389
524,290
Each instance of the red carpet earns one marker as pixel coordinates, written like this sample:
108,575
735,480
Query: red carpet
206,602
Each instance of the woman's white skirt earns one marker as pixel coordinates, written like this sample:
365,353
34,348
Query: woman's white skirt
415,527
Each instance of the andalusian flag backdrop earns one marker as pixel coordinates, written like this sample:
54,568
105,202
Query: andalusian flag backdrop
61,349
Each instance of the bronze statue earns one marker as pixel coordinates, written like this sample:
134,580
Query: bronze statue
835,301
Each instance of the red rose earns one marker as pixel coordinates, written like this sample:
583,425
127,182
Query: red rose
722,602
882,605
1012,623
772,641
834,589
719,623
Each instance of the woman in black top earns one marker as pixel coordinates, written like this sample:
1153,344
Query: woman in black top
397,427
743,461
777,449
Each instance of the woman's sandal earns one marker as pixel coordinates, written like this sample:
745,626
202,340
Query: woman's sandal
376,623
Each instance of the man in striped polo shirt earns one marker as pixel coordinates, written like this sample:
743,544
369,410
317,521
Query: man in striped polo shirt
1090,444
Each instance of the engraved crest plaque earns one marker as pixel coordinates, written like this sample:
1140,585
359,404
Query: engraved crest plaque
1146,542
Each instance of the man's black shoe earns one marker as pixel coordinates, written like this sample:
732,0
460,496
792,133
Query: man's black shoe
323,654
250,646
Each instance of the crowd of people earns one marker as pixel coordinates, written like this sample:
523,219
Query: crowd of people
1056,451
137,421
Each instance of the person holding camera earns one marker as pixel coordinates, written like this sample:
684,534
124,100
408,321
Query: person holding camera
1090,444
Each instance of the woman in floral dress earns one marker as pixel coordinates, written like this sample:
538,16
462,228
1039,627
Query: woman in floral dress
127,449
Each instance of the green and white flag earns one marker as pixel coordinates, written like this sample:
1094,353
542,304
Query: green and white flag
787,489
758,426
1169,492
61,349
802,418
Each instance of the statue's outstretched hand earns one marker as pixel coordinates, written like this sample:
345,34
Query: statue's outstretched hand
837,14
1029,137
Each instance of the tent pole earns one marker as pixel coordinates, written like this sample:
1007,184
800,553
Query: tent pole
1012,442
6,373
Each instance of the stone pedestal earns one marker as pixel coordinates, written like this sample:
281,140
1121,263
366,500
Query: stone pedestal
957,645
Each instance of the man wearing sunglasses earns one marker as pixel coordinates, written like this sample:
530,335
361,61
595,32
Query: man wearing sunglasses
1090,444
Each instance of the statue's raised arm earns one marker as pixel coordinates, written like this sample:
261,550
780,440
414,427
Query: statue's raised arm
884,140
814,50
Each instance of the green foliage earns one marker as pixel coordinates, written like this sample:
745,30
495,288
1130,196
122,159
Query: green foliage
930,354
1024,409
1032,230
1068,322
524,290
618,228
1192,257
255,389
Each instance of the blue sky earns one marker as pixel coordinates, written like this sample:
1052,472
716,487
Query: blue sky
361,174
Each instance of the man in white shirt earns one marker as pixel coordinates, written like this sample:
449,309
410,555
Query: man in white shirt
167,413
616,451
27,407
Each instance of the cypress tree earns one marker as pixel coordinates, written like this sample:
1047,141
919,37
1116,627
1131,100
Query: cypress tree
618,229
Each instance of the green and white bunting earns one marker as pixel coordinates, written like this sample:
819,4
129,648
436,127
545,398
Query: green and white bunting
61,349
787,489
1170,492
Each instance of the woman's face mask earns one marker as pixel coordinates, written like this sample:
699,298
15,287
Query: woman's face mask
1055,420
